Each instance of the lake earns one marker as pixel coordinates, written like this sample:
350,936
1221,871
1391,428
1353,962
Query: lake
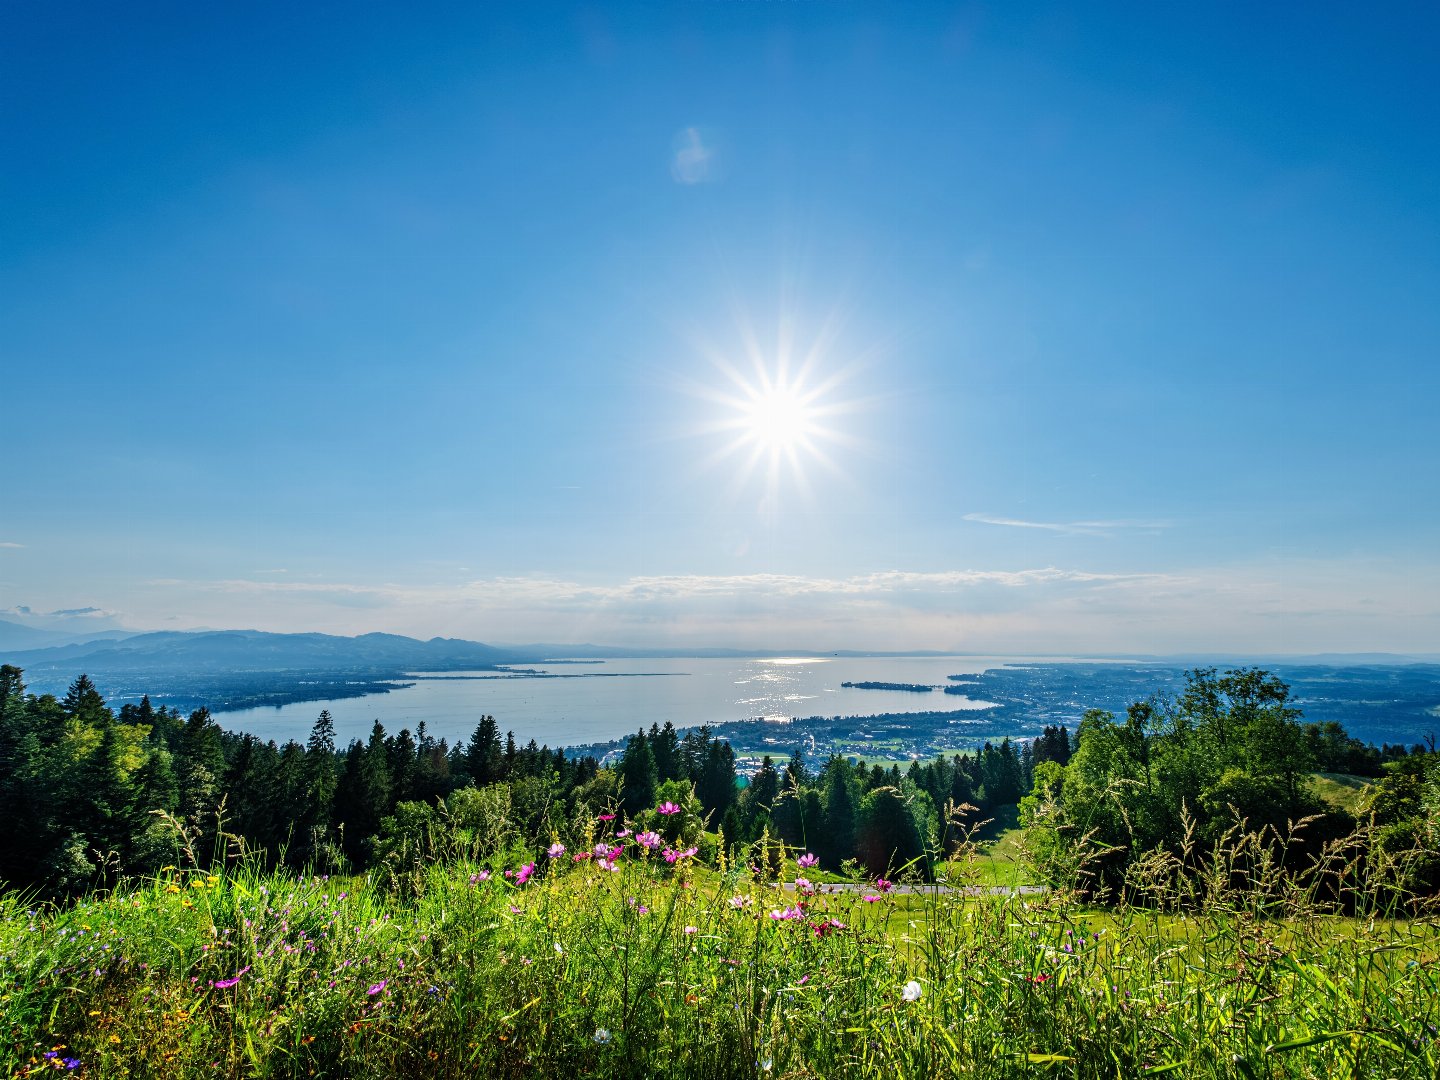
596,701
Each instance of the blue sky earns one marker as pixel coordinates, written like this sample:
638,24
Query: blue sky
1119,326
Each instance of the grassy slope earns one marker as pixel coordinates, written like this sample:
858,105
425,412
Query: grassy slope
1341,790
999,857
583,973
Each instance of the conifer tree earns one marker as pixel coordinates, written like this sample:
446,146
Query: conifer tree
716,785
637,775
838,842
484,757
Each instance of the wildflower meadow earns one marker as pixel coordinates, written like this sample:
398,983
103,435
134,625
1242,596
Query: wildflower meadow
623,955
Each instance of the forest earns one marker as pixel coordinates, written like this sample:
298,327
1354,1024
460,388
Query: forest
99,795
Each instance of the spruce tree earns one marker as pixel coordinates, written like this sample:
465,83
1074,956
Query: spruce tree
838,841
637,775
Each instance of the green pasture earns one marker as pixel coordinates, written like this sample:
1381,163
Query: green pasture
657,971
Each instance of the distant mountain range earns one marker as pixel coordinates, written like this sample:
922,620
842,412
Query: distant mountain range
15,636
231,651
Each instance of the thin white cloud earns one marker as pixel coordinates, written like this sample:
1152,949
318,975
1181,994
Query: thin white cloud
80,618
692,162
690,605
10,544
345,595
1087,528
1286,605
680,588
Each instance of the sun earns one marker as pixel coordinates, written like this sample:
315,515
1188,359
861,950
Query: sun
779,418
777,426
782,415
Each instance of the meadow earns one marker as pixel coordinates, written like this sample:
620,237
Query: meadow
598,962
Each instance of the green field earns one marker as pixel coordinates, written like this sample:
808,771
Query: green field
996,856
646,972
1341,790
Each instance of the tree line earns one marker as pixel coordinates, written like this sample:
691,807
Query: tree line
97,793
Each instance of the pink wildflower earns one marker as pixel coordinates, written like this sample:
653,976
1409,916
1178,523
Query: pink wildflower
884,885
555,850
376,988
650,840
607,817
667,808
226,984
806,861
524,875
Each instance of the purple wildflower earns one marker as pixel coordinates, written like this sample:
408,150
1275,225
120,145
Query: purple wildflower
226,984
377,987
806,861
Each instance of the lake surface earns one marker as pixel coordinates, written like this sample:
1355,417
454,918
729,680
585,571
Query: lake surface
598,701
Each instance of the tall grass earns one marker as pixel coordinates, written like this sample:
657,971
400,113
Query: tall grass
656,969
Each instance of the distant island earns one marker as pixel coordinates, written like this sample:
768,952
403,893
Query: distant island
907,687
